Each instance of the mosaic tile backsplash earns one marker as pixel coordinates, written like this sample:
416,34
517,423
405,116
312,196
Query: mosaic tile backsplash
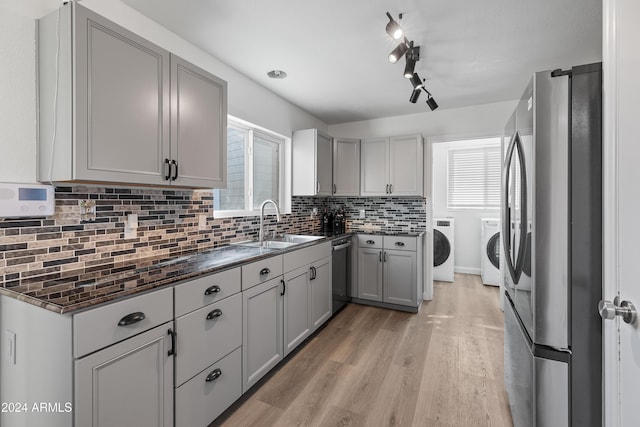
168,225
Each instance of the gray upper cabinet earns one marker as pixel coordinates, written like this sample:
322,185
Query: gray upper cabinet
112,120
346,167
312,163
392,166
198,125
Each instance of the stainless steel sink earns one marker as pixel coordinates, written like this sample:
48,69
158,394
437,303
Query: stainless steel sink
272,244
281,242
300,238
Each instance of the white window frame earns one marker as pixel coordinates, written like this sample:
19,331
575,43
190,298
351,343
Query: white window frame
284,197
464,145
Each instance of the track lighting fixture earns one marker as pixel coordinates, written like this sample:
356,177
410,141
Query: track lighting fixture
430,101
416,81
414,96
412,56
393,28
398,52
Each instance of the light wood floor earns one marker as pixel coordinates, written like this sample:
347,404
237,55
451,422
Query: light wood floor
376,367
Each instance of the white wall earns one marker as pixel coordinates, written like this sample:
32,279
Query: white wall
247,99
467,226
458,123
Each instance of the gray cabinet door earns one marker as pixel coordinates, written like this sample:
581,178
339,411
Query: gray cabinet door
198,125
297,299
320,285
406,166
121,104
127,384
324,161
346,167
370,274
400,281
374,167
262,339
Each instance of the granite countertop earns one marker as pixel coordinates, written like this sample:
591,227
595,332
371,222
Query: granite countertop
70,291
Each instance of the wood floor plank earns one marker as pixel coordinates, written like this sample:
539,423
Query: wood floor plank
442,367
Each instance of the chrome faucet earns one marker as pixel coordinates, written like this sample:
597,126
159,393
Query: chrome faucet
261,234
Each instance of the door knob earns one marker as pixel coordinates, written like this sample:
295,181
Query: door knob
609,310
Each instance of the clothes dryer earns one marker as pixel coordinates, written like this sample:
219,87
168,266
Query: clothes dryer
490,252
443,232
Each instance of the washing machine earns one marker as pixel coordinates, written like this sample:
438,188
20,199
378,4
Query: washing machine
490,252
443,249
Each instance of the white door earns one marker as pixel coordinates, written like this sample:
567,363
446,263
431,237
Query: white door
621,206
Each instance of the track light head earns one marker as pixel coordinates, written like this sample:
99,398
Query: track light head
393,28
430,101
398,52
416,81
413,56
414,96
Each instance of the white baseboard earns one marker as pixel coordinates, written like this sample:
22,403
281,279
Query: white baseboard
466,270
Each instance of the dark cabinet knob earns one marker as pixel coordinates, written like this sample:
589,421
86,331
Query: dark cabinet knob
132,318
212,290
215,313
214,375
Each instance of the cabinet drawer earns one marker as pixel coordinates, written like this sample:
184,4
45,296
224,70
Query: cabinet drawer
400,243
98,328
261,271
198,401
305,256
197,293
369,241
207,334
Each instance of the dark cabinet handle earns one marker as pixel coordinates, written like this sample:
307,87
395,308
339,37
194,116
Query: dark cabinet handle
386,188
213,375
390,188
399,243
380,256
284,287
172,350
175,170
215,313
335,189
167,168
132,318
370,242
313,273
265,271
212,290
385,256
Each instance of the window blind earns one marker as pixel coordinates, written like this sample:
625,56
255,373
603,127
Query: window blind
473,177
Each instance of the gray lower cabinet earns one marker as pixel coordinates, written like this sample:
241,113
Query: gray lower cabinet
390,270
127,384
321,299
262,337
297,298
370,273
400,277
206,335
204,397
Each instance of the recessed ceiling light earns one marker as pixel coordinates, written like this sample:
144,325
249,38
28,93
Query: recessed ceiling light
277,74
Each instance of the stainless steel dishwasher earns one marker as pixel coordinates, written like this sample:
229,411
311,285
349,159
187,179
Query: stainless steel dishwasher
341,275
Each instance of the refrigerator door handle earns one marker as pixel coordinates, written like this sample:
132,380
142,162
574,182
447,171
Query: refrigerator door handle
506,210
514,269
522,244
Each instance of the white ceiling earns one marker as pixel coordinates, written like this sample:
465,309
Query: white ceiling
335,51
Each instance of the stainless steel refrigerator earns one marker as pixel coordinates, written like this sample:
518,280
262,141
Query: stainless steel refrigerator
552,269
